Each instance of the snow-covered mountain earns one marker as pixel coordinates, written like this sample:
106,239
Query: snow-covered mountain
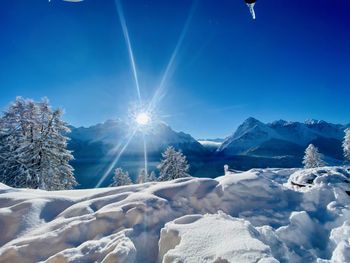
254,144
262,215
113,132
95,147
284,139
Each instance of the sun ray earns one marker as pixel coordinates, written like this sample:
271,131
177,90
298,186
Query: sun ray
129,46
116,159
159,93
145,153
170,68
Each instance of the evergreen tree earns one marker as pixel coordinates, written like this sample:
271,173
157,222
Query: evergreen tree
174,165
226,169
17,135
53,157
144,177
152,177
120,178
9,131
346,144
312,158
33,147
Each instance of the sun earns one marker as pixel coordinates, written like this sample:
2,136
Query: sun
143,118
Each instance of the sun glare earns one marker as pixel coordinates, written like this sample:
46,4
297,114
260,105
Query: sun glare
143,118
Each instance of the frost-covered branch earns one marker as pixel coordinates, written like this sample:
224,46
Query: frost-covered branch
33,147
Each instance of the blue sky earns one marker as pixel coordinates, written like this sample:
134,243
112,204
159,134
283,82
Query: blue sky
292,63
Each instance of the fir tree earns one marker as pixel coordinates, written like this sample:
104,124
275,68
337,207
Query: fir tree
174,165
312,158
152,177
346,145
144,177
53,156
226,169
120,178
17,135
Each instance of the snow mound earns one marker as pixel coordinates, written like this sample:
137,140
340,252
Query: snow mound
197,238
3,186
278,214
317,177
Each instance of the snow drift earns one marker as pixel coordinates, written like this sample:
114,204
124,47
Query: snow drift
263,215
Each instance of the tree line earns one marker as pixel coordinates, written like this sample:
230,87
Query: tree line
173,165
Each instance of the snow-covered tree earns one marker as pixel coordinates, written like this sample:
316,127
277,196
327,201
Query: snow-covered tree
174,165
33,147
152,177
53,157
226,167
312,157
346,144
144,177
120,178
12,133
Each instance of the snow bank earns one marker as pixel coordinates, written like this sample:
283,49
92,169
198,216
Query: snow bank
269,215
200,239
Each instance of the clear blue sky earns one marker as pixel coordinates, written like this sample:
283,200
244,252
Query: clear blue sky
292,63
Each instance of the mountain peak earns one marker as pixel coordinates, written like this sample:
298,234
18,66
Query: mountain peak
279,123
314,122
247,125
252,120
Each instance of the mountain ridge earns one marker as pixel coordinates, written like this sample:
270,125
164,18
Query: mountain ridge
253,133
254,144
96,147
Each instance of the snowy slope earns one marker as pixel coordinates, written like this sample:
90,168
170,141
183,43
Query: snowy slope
262,215
248,135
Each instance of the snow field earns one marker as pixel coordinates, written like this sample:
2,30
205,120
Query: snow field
263,215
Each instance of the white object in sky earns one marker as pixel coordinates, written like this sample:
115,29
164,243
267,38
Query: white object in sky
143,118
251,9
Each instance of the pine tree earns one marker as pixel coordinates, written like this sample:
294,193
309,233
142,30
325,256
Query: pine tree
53,157
34,137
346,144
226,169
174,165
144,177
16,129
120,178
152,177
312,158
